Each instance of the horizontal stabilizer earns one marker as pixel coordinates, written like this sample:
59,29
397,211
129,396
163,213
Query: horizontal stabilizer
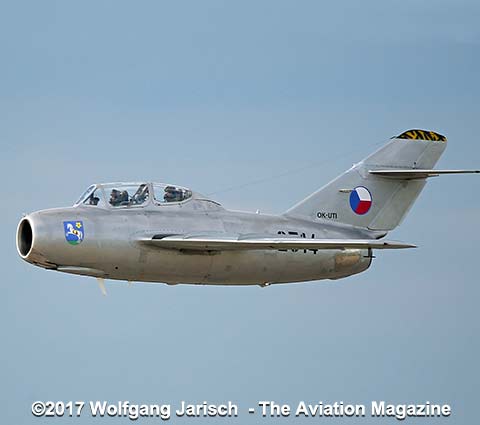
410,174
221,244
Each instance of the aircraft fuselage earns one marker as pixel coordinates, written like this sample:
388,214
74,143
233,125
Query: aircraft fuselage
110,248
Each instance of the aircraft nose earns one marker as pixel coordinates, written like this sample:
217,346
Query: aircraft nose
30,238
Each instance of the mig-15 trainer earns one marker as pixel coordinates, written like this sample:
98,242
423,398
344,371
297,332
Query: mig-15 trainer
165,233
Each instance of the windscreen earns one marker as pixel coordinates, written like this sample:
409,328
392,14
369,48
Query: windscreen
85,195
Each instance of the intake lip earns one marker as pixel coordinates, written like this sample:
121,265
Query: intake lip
25,238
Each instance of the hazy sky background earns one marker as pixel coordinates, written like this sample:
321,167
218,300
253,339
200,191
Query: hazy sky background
215,94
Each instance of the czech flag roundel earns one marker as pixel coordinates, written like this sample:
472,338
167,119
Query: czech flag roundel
360,200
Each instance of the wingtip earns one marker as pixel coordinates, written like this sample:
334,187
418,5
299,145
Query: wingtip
399,245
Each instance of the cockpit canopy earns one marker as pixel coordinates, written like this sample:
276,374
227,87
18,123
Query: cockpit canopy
118,195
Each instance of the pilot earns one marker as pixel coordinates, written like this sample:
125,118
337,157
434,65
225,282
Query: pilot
115,197
123,198
172,194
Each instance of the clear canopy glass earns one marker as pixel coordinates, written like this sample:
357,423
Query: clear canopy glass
85,195
95,198
126,194
132,194
164,193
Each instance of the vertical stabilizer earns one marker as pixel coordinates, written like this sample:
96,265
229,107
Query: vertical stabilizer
376,202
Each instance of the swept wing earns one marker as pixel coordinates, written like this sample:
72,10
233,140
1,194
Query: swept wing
209,243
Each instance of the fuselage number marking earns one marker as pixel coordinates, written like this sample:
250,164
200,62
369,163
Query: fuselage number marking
301,235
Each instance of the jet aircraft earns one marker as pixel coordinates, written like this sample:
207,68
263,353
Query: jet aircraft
165,233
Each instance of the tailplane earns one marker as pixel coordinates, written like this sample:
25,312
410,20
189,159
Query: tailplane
378,192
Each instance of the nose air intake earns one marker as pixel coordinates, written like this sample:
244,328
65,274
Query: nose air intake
35,244
24,238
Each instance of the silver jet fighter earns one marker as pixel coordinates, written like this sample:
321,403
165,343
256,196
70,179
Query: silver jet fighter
168,234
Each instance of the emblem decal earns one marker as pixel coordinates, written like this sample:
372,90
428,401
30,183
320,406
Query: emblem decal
74,232
360,200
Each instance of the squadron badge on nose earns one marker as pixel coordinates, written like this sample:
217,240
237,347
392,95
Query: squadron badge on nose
74,232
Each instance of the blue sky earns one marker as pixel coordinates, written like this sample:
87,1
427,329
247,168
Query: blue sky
213,95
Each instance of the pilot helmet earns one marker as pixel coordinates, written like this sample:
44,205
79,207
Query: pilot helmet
114,194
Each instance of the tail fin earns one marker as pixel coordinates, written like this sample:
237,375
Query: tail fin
377,202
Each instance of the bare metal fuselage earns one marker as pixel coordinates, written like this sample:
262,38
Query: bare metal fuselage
154,232
110,247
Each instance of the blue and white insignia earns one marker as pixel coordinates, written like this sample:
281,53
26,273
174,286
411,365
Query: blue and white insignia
74,232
